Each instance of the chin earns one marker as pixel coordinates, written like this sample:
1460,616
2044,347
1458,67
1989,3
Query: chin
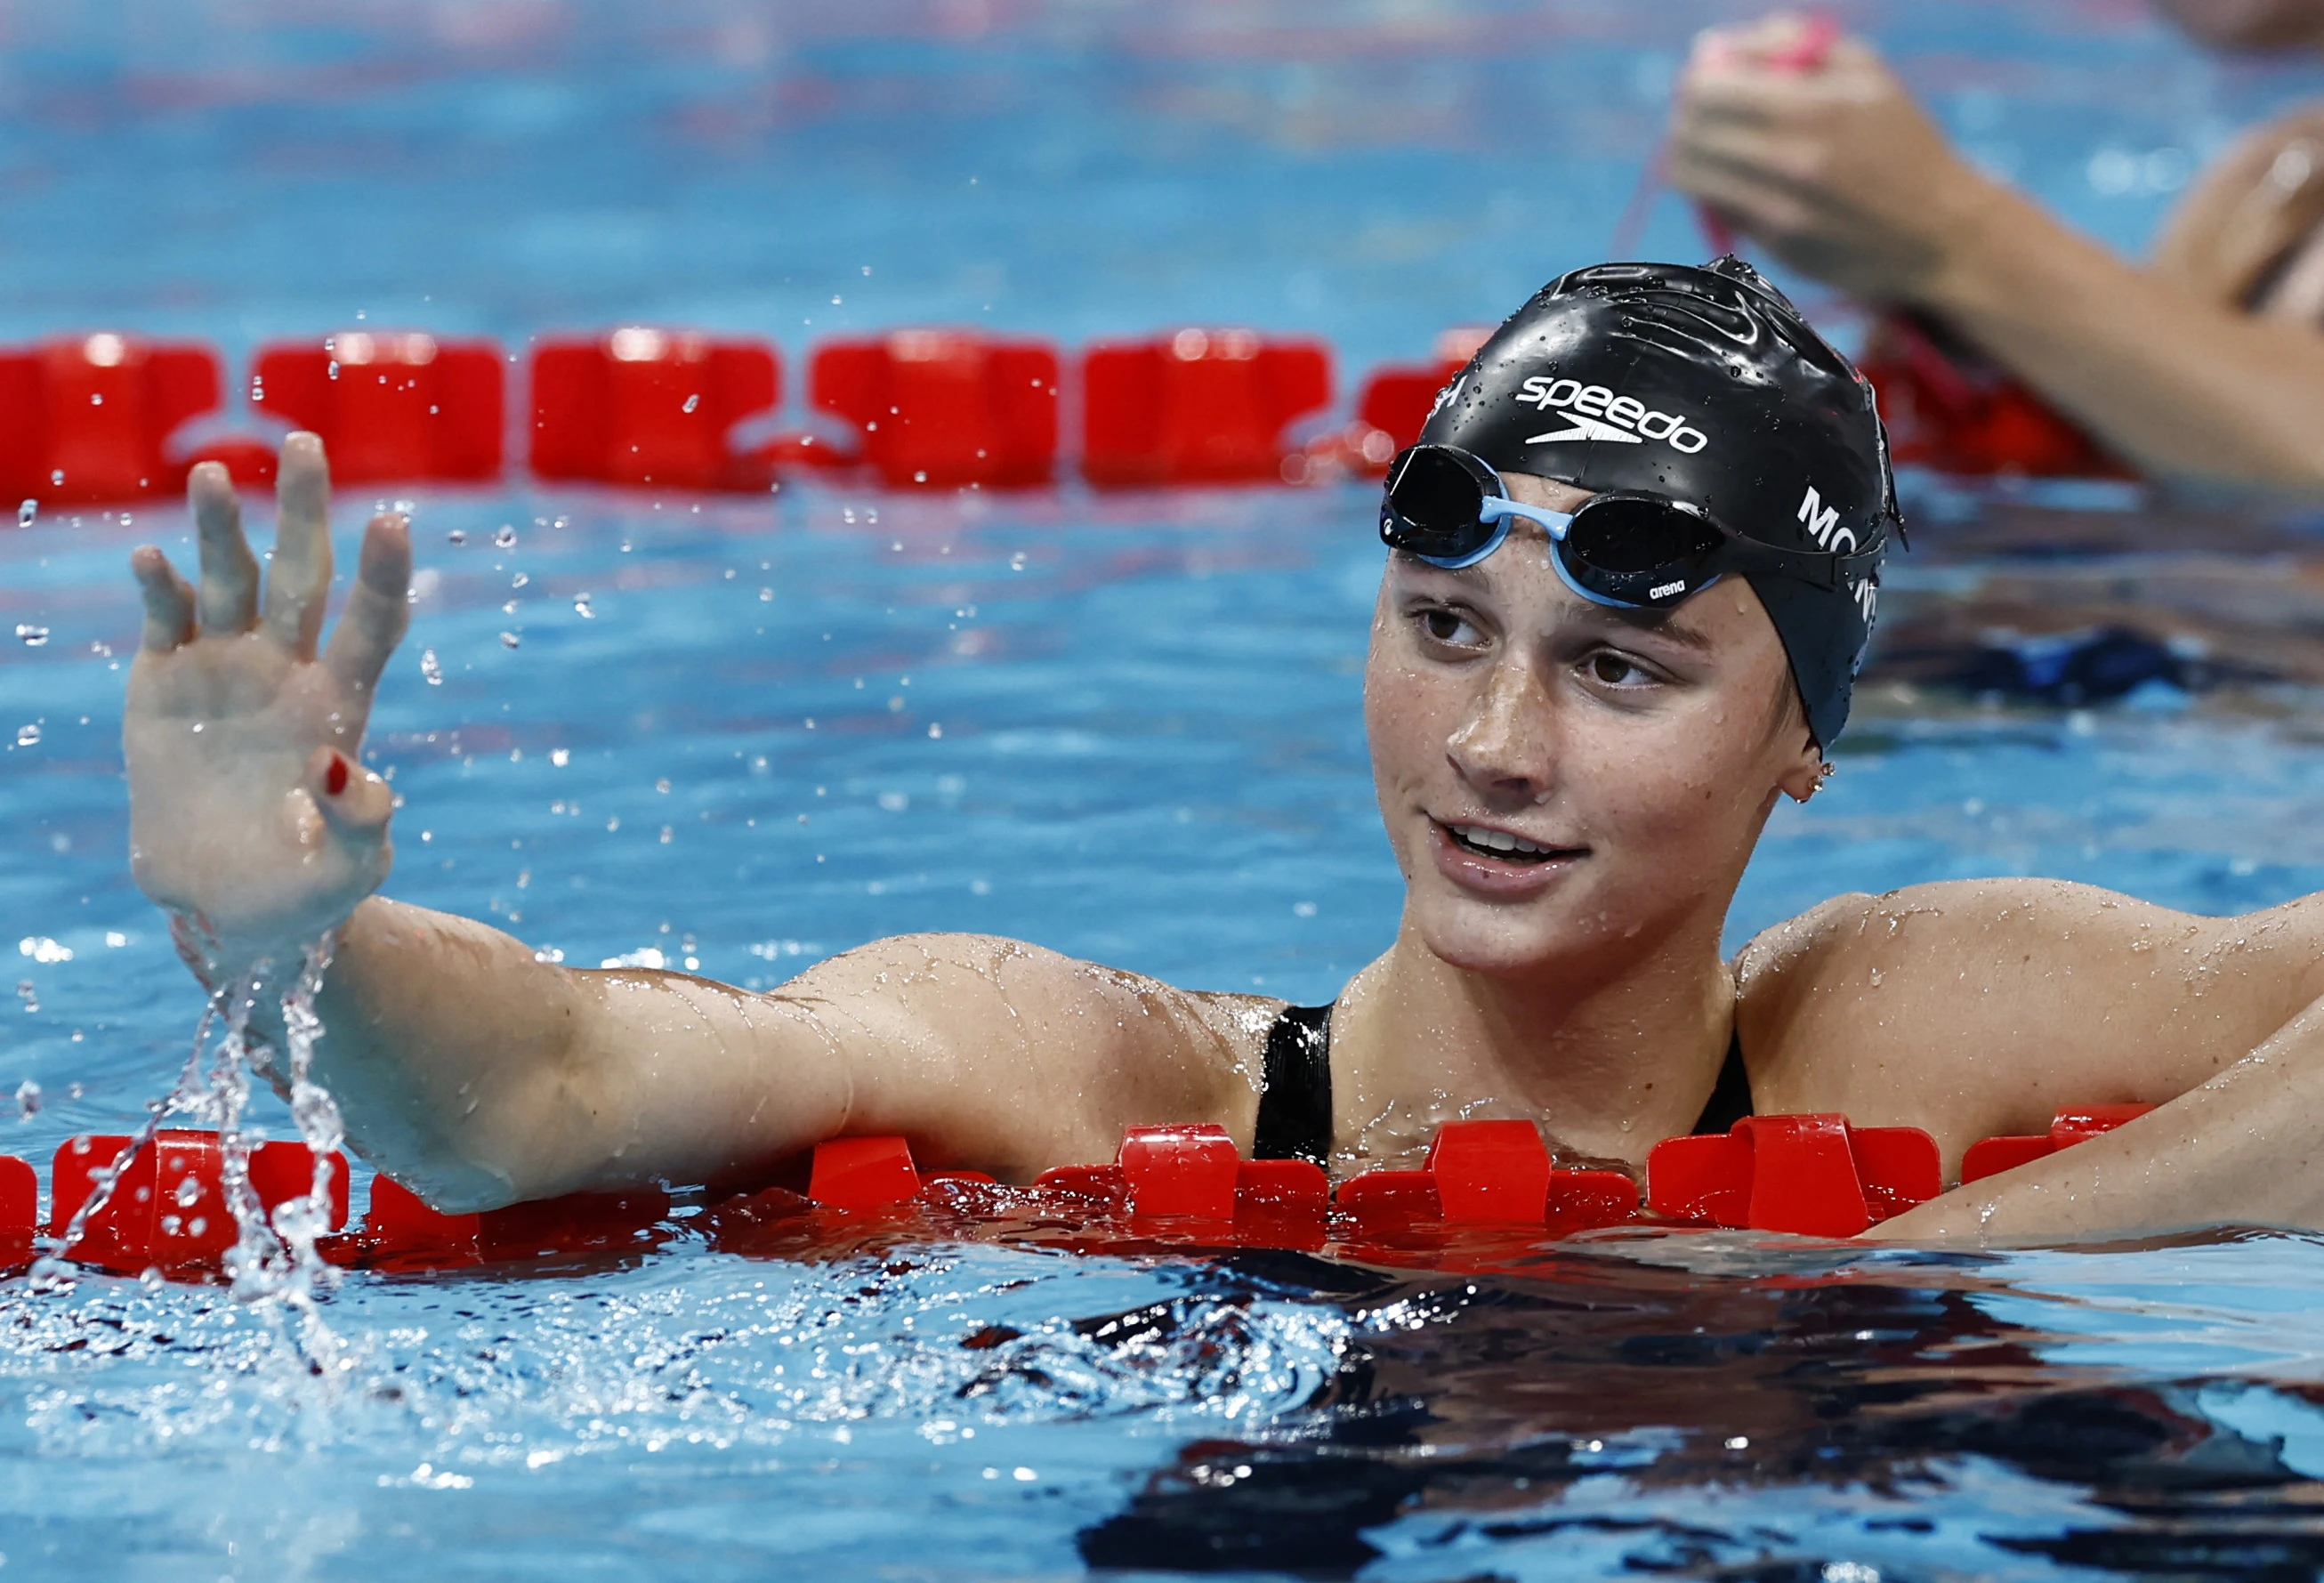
1499,940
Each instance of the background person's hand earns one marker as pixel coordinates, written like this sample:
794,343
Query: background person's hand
1831,167
251,817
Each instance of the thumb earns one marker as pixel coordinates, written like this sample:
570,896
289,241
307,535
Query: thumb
354,802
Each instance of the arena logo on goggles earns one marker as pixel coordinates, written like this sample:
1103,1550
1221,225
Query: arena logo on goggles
1596,413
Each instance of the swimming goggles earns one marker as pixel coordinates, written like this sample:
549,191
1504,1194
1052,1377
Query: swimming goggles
1637,551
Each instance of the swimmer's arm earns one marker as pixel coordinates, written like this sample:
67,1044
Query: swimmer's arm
1839,173
480,1075
2244,1149
1979,1008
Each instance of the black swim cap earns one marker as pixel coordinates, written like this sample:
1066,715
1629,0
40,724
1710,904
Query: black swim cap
1703,385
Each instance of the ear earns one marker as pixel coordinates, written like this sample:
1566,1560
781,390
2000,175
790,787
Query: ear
1803,772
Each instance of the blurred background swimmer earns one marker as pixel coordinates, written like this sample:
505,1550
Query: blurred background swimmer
2206,363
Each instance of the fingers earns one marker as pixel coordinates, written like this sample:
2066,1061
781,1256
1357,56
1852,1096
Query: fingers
229,599
169,600
300,579
354,802
377,610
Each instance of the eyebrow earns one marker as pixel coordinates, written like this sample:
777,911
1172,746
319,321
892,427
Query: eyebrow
1661,623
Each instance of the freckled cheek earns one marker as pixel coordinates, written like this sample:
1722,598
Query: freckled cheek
1408,716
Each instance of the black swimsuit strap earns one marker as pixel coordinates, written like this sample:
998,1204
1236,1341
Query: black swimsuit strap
1730,1100
1294,1113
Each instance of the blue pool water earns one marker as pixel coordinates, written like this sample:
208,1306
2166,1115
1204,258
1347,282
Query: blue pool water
1125,726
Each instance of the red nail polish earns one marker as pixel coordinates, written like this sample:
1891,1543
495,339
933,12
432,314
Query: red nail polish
335,779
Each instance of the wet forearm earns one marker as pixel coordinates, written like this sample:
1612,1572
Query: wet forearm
443,1039
2175,384
2244,1149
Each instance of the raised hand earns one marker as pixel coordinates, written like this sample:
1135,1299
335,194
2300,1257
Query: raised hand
1830,165
251,817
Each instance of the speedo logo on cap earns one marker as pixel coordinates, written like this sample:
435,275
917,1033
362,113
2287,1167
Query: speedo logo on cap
1594,412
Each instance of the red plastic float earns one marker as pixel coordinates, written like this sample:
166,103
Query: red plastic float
1993,1157
1489,1191
1197,406
942,408
647,406
1812,1174
168,1211
88,418
1397,398
391,405
401,1232
20,1210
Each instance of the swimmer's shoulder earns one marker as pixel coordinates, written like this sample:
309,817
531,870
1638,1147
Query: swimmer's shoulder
1122,1042
1985,1005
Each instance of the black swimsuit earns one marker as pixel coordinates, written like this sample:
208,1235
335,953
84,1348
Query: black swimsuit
1294,1113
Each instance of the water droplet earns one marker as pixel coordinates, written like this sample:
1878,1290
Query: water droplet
28,1100
28,735
691,402
56,478
510,640
31,637
519,580
429,668
456,537
1017,561
28,513
505,538
581,608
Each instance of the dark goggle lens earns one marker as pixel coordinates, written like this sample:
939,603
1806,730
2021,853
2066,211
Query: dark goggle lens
1639,551
1433,505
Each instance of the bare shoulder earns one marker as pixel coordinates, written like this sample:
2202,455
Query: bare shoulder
1987,1003
1011,1049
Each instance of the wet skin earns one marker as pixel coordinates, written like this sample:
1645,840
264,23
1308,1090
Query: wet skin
1580,985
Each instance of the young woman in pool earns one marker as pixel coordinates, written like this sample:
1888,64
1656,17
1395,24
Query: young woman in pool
1637,562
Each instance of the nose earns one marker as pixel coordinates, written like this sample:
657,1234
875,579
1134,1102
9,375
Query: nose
1505,747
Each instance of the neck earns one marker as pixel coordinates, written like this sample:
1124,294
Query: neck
1613,1049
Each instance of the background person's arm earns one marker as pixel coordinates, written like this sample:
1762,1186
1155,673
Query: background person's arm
479,1074
1840,174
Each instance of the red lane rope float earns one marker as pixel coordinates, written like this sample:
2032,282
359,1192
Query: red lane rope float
1488,1192
1197,406
646,406
1993,1157
391,405
1814,1174
943,408
87,418
167,1209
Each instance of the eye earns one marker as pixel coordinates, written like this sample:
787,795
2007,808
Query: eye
1611,668
1449,628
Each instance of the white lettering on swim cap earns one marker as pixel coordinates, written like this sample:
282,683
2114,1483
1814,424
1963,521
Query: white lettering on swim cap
1603,407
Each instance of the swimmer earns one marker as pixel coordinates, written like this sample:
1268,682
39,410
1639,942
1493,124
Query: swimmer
2206,363
1634,564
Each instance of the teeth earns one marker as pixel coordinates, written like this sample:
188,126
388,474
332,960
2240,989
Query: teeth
1496,840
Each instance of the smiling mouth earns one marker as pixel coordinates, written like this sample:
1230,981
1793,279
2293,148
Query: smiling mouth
1505,847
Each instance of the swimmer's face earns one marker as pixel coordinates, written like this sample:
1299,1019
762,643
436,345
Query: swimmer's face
1642,756
2250,24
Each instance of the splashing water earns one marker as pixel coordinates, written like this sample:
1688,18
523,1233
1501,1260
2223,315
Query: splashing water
274,1260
